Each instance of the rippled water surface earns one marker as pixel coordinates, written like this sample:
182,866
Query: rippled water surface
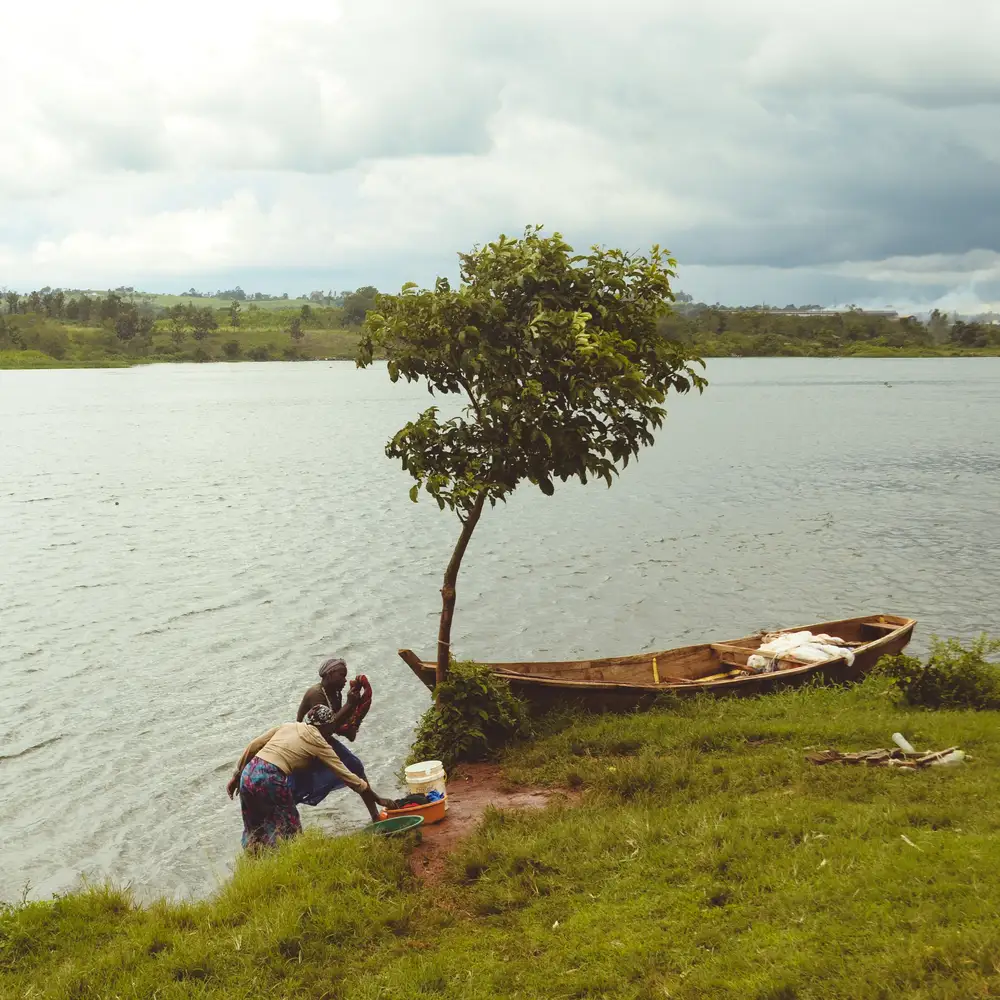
183,545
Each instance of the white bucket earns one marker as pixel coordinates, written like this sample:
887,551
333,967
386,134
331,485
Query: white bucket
427,776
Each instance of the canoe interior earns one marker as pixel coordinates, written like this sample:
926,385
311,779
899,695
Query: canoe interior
700,665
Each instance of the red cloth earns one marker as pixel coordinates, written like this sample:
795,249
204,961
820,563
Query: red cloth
361,685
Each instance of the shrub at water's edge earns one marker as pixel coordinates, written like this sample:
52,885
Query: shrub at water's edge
953,676
476,716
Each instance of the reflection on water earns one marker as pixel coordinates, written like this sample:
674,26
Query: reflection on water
183,545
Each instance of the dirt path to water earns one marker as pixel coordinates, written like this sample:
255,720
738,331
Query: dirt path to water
471,789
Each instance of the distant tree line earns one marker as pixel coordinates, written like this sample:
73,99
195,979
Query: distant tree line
123,321
319,297
85,307
122,324
715,331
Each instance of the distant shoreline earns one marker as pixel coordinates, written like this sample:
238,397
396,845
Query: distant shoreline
9,360
48,330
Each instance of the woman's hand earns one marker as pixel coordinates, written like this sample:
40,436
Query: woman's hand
233,786
372,802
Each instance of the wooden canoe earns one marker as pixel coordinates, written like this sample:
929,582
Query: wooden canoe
620,683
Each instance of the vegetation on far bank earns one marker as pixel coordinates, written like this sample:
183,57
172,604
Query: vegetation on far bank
706,857
53,328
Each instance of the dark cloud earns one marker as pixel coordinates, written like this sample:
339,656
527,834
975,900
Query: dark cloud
755,139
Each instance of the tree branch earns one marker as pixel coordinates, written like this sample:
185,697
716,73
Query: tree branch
463,382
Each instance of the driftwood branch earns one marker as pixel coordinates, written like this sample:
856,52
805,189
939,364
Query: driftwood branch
880,757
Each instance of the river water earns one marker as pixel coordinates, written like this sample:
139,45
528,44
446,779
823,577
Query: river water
183,545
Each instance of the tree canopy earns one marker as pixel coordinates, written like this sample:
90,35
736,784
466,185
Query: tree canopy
357,304
558,355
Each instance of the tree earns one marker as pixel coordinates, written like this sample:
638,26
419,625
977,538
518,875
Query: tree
560,361
12,299
134,321
109,307
968,334
9,336
295,328
78,309
306,313
54,304
939,326
147,321
178,316
357,304
51,340
202,322
127,322
234,313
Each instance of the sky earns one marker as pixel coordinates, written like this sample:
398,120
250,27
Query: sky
784,152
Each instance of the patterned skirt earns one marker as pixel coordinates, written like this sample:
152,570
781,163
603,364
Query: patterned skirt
268,805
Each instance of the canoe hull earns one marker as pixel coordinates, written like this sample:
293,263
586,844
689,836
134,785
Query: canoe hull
614,684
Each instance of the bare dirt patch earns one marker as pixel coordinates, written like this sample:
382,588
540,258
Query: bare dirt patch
471,789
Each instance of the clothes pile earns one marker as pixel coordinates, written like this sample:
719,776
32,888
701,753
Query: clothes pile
800,647
415,799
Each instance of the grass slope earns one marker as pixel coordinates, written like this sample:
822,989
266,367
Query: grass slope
706,859
165,301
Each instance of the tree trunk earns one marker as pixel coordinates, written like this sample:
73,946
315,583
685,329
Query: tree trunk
448,590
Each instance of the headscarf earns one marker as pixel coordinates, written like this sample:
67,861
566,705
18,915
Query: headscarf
334,663
318,715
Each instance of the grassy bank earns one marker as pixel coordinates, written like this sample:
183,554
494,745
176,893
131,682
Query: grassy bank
707,858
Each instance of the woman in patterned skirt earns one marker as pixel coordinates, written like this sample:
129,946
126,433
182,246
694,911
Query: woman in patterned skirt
262,777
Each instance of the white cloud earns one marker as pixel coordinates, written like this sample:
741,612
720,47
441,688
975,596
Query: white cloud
973,267
751,137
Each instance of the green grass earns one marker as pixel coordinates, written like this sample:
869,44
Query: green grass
27,359
166,301
706,858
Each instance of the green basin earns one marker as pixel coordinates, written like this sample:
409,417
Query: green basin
395,826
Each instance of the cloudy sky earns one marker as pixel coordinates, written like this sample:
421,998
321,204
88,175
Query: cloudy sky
784,151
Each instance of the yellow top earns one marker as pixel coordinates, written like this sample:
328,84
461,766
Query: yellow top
292,746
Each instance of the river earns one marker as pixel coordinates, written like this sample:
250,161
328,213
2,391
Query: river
183,545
